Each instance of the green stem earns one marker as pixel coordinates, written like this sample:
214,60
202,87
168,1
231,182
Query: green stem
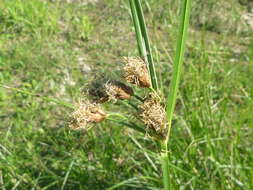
133,105
174,85
139,39
165,165
143,40
128,124
148,52
138,98
117,115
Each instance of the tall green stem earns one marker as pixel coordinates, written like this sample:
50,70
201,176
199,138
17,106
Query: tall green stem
149,56
173,89
143,39
138,33
145,52
165,165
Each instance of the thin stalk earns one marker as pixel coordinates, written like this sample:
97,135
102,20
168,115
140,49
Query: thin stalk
139,39
138,98
144,32
110,114
39,96
143,40
165,165
173,89
133,105
128,124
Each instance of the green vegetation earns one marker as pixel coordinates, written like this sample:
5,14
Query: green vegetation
53,48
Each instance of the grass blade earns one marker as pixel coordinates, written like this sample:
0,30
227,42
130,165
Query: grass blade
177,65
60,102
67,175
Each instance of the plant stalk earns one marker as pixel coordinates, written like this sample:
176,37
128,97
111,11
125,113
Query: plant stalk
148,52
138,33
143,40
174,85
165,165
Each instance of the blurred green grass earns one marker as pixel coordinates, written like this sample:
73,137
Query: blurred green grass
53,48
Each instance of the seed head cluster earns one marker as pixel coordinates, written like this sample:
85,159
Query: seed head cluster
136,72
101,91
118,90
85,114
153,113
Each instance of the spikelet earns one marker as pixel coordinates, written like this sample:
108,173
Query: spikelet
118,90
101,91
136,72
85,114
153,114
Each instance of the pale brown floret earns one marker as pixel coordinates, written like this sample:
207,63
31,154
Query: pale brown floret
102,91
117,90
136,72
153,114
85,114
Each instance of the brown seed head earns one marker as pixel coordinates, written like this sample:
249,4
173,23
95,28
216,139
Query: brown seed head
136,72
153,113
85,114
118,90
96,90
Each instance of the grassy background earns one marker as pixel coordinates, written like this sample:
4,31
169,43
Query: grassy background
53,48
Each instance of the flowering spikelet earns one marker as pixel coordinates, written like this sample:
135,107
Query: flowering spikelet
118,90
136,72
85,114
101,91
153,114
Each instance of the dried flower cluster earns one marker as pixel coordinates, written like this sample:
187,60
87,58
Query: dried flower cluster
153,113
85,114
136,72
101,92
117,90
88,112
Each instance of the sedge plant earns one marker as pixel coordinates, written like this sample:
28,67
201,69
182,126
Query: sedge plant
152,114
145,52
